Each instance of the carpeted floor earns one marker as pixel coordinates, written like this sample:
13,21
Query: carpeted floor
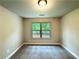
42,52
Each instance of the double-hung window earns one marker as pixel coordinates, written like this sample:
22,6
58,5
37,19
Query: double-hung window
41,30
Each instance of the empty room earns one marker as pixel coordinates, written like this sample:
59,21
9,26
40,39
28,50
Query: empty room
39,29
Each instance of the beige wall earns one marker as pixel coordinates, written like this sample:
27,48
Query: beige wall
55,32
70,31
10,32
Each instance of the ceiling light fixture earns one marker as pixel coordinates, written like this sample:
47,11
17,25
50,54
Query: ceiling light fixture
42,3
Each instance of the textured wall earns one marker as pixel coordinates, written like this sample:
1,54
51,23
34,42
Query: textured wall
70,31
55,30
10,32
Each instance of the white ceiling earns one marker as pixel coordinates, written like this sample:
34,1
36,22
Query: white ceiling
29,8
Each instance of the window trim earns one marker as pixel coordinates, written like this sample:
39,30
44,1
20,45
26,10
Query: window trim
41,31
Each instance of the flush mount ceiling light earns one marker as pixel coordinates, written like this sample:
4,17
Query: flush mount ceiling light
42,3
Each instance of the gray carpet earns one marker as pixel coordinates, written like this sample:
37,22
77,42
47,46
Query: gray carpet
42,52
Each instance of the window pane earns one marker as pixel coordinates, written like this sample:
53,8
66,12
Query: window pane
41,30
46,36
36,36
35,26
45,26
45,32
35,32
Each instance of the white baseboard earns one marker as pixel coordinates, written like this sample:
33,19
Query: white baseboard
43,43
14,52
70,52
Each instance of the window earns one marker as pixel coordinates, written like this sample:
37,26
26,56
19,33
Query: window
41,30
